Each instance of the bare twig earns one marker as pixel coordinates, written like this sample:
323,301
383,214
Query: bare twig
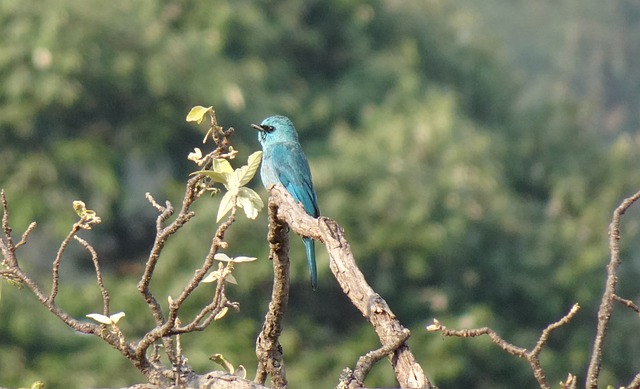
25,235
408,372
96,264
162,234
5,219
531,356
365,363
56,262
167,326
15,272
627,303
606,305
635,383
554,326
268,348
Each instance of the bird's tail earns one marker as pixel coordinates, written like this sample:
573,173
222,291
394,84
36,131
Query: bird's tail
310,245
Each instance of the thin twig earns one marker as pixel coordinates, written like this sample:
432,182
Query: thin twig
25,235
554,326
627,303
56,262
606,305
162,234
12,268
366,362
635,383
96,264
530,356
165,328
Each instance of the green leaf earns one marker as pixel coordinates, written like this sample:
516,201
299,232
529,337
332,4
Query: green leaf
99,318
222,165
113,319
241,259
222,257
234,180
221,314
250,202
231,279
225,205
247,172
212,277
197,113
222,178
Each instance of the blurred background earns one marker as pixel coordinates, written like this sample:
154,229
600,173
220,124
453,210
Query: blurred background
473,152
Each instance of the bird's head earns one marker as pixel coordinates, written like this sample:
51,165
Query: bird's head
275,129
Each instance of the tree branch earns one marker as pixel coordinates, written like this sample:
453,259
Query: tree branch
627,303
94,257
531,356
268,348
608,298
341,261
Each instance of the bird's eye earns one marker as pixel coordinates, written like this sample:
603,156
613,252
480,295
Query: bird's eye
269,128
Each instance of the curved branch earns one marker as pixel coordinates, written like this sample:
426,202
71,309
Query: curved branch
608,298
533,356
342,263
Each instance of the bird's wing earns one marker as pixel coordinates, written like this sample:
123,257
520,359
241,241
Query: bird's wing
292,169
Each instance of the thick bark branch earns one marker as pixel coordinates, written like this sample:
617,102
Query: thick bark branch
342,263
268,348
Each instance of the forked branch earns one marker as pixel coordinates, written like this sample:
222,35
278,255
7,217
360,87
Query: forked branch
609,297
391,333
532,356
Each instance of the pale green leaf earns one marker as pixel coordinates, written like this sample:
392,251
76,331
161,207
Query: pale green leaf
195,155
225,258
99,318
226,204
234,180
231,279
197,113
212,277
115,318
222,257
247,172
241,259
222,165
250,202
220,177
221,314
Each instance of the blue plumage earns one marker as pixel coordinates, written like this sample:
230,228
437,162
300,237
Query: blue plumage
284,162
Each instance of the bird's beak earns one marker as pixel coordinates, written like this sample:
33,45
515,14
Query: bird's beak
257,127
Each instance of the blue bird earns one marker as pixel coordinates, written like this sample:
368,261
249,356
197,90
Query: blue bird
284,162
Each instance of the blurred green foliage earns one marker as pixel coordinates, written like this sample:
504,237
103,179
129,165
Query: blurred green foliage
472,151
